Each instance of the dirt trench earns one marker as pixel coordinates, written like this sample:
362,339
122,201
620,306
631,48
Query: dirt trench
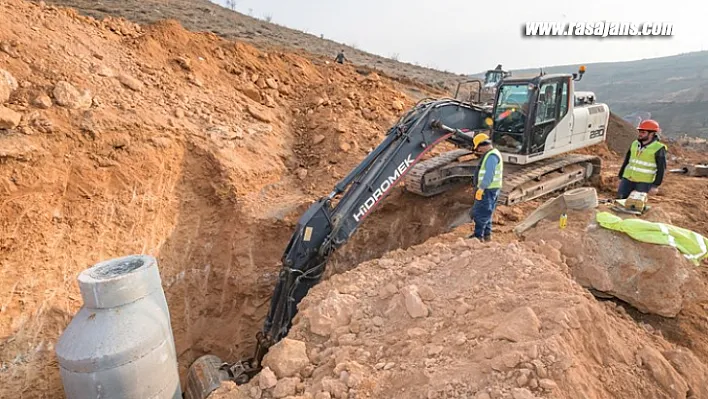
219,265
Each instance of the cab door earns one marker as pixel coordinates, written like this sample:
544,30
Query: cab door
552,121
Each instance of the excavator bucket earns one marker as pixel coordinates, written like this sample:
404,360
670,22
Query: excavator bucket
205,375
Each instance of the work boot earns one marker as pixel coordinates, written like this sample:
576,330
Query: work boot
487,238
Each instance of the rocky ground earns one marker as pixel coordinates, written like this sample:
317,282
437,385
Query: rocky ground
461,319
205,16
117,138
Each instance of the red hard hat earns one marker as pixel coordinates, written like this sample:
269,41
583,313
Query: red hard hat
650,125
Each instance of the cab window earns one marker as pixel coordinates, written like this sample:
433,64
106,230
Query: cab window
512,108
564,100
547,109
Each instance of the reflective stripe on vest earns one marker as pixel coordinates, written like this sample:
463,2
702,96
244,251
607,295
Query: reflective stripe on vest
641,167
498,171
692,245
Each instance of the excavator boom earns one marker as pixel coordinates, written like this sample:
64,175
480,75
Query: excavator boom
324,227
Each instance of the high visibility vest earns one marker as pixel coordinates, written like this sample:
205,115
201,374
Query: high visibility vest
641,167
498,174
692,245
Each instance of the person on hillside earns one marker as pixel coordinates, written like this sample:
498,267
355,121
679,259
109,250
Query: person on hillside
340,57
488,184
645,162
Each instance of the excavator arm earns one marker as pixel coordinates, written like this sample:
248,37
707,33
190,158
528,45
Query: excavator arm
326,226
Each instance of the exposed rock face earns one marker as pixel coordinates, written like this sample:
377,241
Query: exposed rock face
652,278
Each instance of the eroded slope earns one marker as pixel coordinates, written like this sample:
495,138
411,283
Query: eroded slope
464,319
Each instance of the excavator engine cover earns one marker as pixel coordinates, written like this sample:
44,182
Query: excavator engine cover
205,375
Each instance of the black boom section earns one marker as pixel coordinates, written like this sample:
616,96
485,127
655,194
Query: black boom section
411,138
322,229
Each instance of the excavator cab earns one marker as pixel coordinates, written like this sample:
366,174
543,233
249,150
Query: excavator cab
536,124
534,115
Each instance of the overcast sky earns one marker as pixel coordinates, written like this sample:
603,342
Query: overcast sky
467,36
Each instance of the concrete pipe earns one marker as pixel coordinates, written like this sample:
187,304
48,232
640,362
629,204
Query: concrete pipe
581,198
120,343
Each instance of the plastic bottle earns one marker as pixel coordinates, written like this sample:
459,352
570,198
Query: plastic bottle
563,220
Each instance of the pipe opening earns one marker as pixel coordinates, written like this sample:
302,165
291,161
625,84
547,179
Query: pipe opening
118,267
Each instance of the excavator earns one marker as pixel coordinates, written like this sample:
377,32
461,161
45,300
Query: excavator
492,79
533,122
487,88
537,122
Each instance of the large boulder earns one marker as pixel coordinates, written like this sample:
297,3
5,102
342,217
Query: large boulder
653,278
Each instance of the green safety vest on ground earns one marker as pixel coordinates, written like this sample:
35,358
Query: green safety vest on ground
498,172
641,167
693,245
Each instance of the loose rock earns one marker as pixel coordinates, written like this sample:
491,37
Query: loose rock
42,101
8,84
414,304
9,119
66,95
286,358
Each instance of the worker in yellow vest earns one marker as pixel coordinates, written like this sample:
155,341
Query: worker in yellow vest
488,184
645,162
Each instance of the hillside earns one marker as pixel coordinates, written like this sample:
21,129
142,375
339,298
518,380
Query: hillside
205,16
674,89
671,89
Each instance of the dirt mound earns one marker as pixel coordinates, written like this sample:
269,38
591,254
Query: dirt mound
119,139
620,135
206,16
462,319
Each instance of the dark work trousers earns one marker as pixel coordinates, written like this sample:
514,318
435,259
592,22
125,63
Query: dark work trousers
482,211
626,187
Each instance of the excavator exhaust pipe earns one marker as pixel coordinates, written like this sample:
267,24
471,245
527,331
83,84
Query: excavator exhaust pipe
204,376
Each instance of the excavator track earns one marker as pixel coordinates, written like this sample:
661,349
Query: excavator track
529,182
416,181
521,182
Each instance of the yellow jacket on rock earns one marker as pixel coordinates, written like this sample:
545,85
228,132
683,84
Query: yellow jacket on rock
693,245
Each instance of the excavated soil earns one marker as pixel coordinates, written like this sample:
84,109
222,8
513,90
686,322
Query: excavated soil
117,139
462,319
206,16
623,134
199,151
